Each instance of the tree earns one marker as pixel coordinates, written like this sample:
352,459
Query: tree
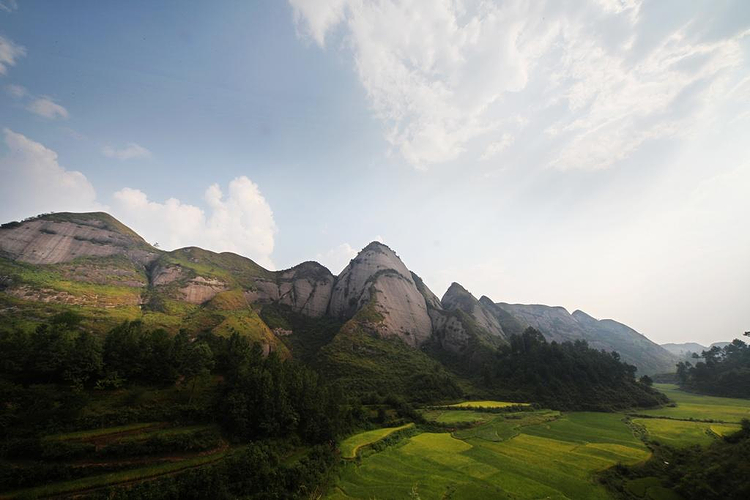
196,364
85,360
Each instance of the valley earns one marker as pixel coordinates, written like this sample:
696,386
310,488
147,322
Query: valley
535,454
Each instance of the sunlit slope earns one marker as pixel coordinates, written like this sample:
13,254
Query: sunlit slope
546,459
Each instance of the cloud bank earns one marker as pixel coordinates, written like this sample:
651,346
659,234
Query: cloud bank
598,79
34,182
240,221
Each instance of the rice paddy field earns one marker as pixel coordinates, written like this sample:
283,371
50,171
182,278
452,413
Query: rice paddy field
700,407
535,454
351,446
487,404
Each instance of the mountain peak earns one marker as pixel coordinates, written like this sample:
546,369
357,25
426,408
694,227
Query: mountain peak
62,237
458,297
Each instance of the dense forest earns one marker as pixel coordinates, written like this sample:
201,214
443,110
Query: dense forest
60,378
719,471
566,376
720,371
279,419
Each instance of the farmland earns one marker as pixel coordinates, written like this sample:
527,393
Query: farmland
501,459
534,454
351,446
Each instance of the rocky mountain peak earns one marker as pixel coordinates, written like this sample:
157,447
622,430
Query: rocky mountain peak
378,278
63,237
458,297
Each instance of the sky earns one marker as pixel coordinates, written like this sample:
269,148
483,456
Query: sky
588,154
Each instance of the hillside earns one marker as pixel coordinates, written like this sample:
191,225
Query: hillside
557,324
108,274
685,348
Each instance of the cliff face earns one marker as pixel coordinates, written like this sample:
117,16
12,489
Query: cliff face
305,288
376,278
56,238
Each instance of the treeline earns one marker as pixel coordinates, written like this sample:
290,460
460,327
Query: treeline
566,376
60,352
260,396
719,471
720,371
60,378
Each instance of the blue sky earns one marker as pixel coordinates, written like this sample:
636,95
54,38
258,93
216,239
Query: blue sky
585,154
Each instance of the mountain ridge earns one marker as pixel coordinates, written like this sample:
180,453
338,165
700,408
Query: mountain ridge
196,288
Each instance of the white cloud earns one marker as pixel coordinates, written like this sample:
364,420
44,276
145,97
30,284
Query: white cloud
33,181
8,5
497,147
46,107
337,258
240,222
318,16
16,91
9,53
129,152
443,75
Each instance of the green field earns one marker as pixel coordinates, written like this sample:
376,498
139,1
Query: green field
535,454
487,404
700,407
351,445
678,433
529,457
456,416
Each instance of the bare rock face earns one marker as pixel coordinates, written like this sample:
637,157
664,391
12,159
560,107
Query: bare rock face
164,275
449,331
377,278
555,323
457,297
57,238
200,289
305,288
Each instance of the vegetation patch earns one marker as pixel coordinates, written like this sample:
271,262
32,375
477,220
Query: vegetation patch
350,446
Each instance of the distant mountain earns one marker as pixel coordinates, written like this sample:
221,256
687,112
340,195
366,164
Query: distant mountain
94,263
684,349
557,324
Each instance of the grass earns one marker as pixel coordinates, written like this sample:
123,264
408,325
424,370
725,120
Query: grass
350,446
678,433
113,478
456,416
545,459
97,433
700,407
487,404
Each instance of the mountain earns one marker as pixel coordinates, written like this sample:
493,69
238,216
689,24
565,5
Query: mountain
377,281
109,274
684,349
557,324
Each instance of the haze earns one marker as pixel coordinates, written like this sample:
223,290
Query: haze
585,154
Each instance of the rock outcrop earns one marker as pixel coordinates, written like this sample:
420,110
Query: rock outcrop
63,237
376,278
457,297
305,288
557,324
